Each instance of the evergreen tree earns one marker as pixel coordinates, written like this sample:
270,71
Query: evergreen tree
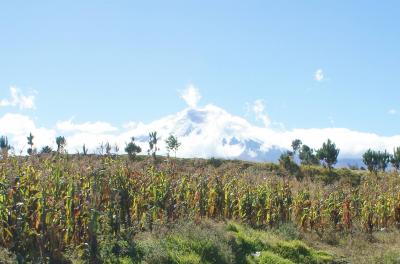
30,150
132,149
328,154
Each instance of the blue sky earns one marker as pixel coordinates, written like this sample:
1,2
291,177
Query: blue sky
121,61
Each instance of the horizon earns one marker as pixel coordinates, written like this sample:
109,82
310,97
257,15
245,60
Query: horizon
267,72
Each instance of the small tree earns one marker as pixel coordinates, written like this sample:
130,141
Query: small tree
172,144
296,144
4,146
376,160
328,154
46,150
286,162
61,143
132,149
153,144
307,157
370,159
30,150
395,160
383,160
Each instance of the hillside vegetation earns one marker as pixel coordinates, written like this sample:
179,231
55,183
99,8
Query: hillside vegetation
58,208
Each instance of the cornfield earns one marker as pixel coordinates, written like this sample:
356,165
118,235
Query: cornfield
50,204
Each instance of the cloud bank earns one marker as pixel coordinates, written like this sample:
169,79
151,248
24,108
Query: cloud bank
204,132
207,131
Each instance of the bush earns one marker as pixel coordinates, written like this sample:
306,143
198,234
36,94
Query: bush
288,231
298,252
188,243
215,162
268,257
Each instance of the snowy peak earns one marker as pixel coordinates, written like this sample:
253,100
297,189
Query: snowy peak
212,132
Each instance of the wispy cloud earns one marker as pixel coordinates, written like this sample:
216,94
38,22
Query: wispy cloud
392,112
258,108
19,99
191,95
319,75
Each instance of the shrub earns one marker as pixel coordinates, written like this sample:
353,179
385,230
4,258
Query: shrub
298,252
215,162
288,231
268,257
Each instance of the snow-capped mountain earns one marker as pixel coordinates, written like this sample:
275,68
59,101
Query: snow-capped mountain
206,132
211,132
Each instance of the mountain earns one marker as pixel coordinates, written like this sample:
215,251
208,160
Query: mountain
213,132
210,131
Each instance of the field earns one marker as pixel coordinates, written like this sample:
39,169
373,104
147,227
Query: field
109,209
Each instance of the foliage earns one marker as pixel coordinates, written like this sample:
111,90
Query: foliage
376,160
6,257
30,150
298,252
371,160
172,144
307,156
4,146
132,149
61,143
153,140
296,145
97,205
328,153
268,257
383,160
46,150
287,163
215,162
395,159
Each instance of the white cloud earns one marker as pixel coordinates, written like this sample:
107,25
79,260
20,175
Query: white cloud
319,75
204,132
87,127
130,125
392,112
17,127
258,108
191,95
19,99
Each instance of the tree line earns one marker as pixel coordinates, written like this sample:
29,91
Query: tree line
375,160
327,155
131,148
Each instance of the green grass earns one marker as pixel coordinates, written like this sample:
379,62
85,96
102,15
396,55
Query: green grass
209,242
274,247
